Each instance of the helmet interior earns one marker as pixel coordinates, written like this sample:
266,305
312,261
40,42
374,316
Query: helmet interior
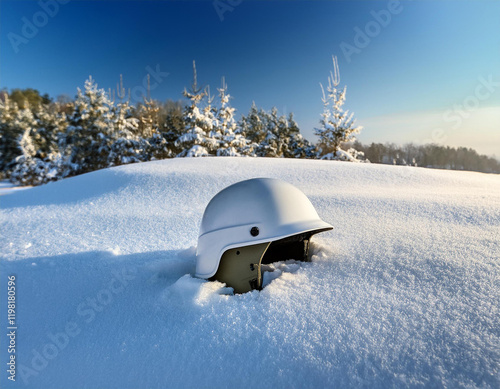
240,268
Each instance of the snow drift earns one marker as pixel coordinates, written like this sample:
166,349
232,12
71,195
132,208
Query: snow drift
403,292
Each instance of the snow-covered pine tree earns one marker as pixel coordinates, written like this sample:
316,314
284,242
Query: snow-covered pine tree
196,140
294,145
290,141
158,147
252,127
28,169
256,128
33,134
271,145
281,135
90,132
172,117
125,125
24,165
210,123
39,159
337,125
148,115
9,133
232,143
51,126
302,148
127,146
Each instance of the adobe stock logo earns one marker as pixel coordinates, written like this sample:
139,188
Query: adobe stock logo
363,37
30,28
223,6
458,113
87,311
139,92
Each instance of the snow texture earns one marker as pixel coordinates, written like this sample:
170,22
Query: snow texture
8,187
404,292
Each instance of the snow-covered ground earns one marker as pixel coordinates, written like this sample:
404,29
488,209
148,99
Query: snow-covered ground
404,292
7,187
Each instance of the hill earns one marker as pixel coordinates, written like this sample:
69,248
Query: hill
402,292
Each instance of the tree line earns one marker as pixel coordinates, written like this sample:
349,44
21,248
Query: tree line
42,140
430,156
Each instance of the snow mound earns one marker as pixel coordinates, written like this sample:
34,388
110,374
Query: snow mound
403,292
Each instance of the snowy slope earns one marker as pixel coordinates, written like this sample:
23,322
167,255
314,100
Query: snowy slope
404,291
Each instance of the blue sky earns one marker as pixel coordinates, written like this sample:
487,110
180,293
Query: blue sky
416,71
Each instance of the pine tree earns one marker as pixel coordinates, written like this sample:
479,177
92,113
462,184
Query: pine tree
210,123
196,141
148,115
9,133
294,144
125,125
252,127
259,128
281,135
90,132
172,117
300,147
289,137
50,125
232,143
34,132
30,168
337,125
271,135
270,146
127,146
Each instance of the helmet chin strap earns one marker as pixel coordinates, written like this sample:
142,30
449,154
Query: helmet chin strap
305,256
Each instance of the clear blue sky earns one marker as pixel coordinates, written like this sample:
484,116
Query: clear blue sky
403,83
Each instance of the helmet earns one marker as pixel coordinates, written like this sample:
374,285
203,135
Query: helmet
251,223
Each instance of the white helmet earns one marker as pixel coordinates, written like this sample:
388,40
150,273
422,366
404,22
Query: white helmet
252,222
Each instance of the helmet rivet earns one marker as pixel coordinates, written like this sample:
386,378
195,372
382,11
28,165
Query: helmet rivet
254,231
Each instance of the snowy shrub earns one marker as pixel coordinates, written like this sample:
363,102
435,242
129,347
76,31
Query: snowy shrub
197,151
350,155
157,147
126,150
33,171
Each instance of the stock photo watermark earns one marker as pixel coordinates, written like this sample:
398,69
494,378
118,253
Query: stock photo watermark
138,92
31,26
459,112
224,6
86,312
364,36
11,326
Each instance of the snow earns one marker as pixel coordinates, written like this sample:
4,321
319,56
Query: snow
8,187
403,292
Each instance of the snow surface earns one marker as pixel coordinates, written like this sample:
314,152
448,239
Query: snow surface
8,187
403,292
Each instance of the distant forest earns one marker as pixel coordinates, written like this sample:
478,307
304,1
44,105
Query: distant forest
42,139
430,155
